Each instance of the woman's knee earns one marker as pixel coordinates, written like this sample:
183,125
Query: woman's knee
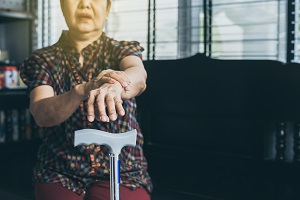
49,191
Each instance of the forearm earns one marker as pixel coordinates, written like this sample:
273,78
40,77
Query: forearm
137,85
137,76
54,110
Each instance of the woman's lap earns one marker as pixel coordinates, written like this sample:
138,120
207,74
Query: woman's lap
98,191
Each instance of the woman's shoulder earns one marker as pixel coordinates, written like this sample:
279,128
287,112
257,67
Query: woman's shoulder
45,53
121,48
117,43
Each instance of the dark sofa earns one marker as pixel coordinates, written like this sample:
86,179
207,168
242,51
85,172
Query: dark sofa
222,129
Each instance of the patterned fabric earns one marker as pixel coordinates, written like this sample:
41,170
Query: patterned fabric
58,160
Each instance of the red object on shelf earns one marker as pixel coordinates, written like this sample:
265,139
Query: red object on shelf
10,79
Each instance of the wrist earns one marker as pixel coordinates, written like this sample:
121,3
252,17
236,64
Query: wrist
82,91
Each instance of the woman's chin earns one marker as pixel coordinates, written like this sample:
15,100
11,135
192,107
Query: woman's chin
85,29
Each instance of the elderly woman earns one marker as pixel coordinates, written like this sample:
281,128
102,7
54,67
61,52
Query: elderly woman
86,80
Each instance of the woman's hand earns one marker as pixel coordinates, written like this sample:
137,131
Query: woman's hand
109,76
105,103
110,87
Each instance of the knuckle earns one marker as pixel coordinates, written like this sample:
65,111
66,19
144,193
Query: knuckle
119,101
109,100
102,91
111,89
91,93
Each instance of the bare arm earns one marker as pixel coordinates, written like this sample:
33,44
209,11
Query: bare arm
136,73
50,110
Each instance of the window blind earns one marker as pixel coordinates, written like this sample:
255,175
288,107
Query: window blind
297,32
171,29
51,23
128,20
152,23
248,29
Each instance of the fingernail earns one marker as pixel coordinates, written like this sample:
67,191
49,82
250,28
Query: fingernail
125,84
122,113
104,118
113,117
127,88
91,118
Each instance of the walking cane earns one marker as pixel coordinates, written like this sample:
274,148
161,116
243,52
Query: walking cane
114,142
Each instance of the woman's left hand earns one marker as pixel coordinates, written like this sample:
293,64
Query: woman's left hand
105,103
109,76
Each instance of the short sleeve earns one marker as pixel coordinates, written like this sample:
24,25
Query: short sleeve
34,73
128,48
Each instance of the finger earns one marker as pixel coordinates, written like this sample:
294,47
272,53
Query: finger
111,107
127,88
119,107
102,80
120,77
90,106
101,106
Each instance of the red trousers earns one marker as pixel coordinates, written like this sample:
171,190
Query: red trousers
100,191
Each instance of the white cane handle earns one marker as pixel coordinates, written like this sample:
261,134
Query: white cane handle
114,141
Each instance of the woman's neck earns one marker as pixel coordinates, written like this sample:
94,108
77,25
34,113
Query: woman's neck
82,40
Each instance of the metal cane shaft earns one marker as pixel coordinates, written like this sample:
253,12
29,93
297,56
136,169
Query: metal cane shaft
114,177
